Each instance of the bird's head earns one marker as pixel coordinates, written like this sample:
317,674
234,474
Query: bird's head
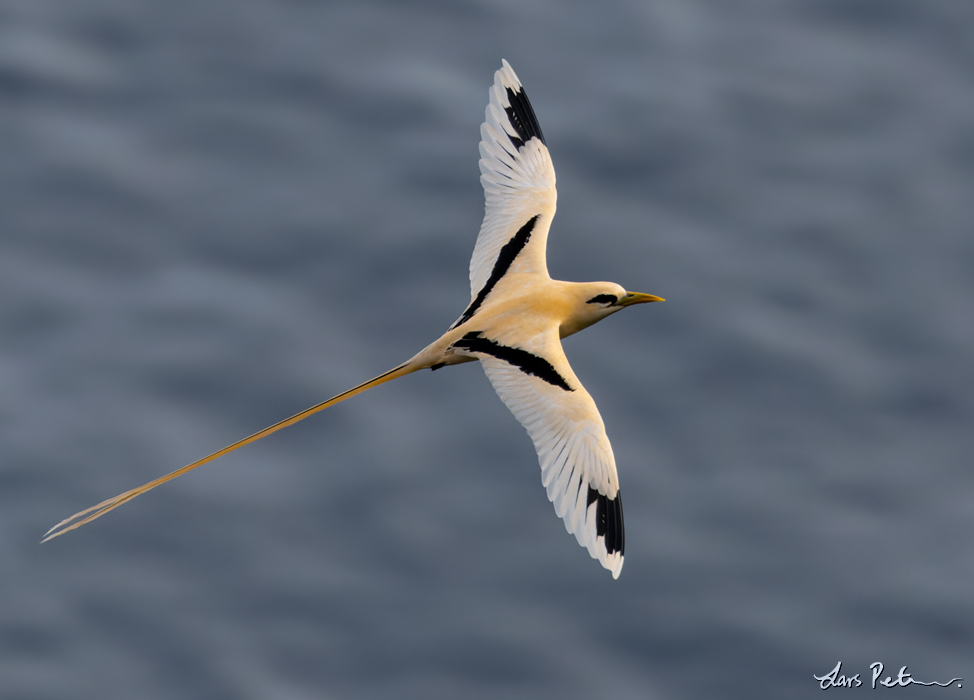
597,300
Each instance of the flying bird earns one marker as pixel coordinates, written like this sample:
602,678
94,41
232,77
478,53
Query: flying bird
514,324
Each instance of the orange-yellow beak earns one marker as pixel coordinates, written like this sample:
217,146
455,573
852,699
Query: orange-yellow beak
637,298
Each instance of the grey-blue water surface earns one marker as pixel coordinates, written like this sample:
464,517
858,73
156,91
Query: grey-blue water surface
214,214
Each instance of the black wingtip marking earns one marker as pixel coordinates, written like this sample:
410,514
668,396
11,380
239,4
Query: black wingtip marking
437,366
522,117
505,258
527,362
608,520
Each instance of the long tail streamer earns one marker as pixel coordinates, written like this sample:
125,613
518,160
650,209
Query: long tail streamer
99,510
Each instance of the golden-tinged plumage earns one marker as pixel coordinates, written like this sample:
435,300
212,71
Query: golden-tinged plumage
514,324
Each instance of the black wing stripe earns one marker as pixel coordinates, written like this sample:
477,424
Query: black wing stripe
527,362
608,520
505,258
522,118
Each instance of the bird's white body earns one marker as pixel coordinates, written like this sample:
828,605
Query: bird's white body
528,306
513,325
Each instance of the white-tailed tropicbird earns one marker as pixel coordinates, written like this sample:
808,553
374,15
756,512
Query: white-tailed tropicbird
514,324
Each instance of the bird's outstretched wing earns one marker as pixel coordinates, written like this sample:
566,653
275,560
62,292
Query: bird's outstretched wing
537,384
519,187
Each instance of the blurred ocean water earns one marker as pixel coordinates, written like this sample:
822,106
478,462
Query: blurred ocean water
215,214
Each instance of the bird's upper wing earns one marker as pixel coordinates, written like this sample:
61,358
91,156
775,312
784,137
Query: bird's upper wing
519,186
578,469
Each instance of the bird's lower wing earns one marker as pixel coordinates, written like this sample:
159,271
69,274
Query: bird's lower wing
535,381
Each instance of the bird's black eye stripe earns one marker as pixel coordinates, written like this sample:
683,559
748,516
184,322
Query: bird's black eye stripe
603,299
